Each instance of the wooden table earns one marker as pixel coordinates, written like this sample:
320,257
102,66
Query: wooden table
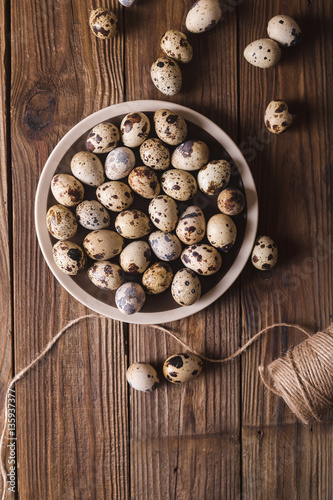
81,433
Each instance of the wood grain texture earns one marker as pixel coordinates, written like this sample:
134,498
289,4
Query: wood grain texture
185,441
72,409
293,174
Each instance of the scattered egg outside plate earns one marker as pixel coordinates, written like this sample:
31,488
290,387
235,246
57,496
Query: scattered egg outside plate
159,308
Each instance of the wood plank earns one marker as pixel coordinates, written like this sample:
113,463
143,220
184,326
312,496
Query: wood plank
6,367
72,409
281,458
185,441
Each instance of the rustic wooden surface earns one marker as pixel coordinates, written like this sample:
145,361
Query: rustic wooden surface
81,433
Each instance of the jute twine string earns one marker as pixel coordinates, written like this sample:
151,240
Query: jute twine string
303,378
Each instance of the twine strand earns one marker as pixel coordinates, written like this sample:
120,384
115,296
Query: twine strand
303,377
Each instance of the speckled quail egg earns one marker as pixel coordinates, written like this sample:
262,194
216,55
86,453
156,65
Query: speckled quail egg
142,376
179,184
115,195
157,278
263,53
134,128
92,215
106,275
61,222
166,246
191,155
203,16
181,368
175,45
277,117
166,76
163,212
136,257
231,201
221,232
130,298
265,253
103,138
127,3
133,224
119,163
103,244
69,257
144,181
103,23
154,154
170,127
191,226
67,190
284,30
186,287
213,177
203,259
88,168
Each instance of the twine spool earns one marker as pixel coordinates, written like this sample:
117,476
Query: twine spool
303,378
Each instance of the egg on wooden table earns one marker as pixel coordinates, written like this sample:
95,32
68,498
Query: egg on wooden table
191,226
154,154
166,246
186,287
213,177
134,128
106,275
135,257
179,184
284,30
142,377
103,23
265,253
175,45
166,76
69,257
203,16
130,298
115,195
103,138
231,201
170,127
119,163
201,258
277,117
221,232
144,181
263,53
163,212
182,368
61,222
128,3
133,224
88,168
67,190
190,155
103,244
157,278
92,215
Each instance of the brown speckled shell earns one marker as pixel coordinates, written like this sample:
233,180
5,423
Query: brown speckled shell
92,215
179,184
61,222
231,201
181,368
106,275
133,224
157,278
166,76
190,155
154,154
170,127
103,244
103,23
277,117
264,254
103,138
175,45
142,377
191,226
115,195
144,181
69,257
203,259
186,287
67,190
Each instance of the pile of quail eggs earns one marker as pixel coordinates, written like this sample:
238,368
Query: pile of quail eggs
129,250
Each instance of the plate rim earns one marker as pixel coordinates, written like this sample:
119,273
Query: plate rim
146,318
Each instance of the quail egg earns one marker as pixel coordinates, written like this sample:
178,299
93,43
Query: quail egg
67,190
106,275
69,257
263,53
142,376
88,168
133,224
191,155
191,226
221,232
135,258
265,253
203,259
170,127
144,181
175,45
61,222
115,195
203,16
103,23
135,128
179,184
103,138
231,201
119,163
103,244
284,30
181,368
127,3
154,154
214,177
92,215
157,278
166,76
277,117
163,212
130,298
186,287
166,246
